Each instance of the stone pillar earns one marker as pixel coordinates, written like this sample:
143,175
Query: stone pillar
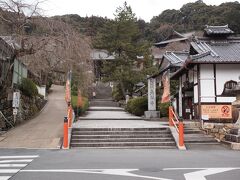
237,105
152,113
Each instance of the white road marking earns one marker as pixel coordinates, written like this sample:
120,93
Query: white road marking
9,170
5,177
18,157
200,175
14,161
13,165
202,172
116,172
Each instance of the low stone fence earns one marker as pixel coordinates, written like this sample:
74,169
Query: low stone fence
219,130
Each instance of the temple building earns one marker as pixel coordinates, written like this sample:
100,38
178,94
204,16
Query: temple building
211,67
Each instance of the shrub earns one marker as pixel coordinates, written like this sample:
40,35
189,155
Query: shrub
163,108
137,106
80,110
28,87
117,93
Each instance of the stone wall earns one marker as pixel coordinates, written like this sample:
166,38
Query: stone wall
28,108
219,130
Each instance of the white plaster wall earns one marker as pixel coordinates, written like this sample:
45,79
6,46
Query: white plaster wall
196,94
195,75
42,90
207,83
224,73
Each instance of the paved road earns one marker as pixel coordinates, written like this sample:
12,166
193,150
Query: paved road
107,164
45,130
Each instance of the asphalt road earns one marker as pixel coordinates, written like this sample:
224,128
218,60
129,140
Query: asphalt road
45,130
119,164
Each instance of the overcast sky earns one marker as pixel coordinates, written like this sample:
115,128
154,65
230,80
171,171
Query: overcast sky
144,9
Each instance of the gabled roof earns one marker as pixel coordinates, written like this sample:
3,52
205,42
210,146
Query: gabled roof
208,51
180,37
176,58
218,30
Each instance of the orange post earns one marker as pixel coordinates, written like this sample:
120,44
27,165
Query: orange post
170,116
65,133
181,134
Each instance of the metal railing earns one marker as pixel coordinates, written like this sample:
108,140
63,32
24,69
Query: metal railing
7,121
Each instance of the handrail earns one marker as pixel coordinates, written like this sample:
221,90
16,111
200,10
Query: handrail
178,125
6,119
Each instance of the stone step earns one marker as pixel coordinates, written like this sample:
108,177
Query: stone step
122,144
119,132
109,119
200,140
104,103
122,140
192,131
105,109
75,136
120,129
128,147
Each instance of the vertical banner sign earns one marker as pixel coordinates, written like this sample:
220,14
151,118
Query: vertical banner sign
79,100
152,94
166,87
68,89
16,99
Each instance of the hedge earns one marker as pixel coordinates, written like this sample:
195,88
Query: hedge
137,106
80,110
163,108
28,87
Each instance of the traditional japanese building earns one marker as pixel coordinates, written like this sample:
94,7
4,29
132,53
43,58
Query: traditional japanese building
212,67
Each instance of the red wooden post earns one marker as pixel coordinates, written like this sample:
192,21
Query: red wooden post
181,134
65,133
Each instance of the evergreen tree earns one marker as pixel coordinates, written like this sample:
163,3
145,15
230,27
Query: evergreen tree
121,38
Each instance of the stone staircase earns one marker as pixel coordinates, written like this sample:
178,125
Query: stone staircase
195,136
103,103
160,138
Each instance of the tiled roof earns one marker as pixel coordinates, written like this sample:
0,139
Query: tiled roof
213,30
217,51
176,58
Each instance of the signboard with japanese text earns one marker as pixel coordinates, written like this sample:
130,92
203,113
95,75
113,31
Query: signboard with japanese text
152,94
16,99
216,111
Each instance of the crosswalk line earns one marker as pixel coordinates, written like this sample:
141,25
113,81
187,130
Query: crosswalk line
5,177
18,157
13,165
15,161
7,171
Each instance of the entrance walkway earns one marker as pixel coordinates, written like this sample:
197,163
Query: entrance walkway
45,130
113,119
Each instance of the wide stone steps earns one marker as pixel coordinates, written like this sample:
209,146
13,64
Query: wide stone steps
103,103
122,138
122,144
194,136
